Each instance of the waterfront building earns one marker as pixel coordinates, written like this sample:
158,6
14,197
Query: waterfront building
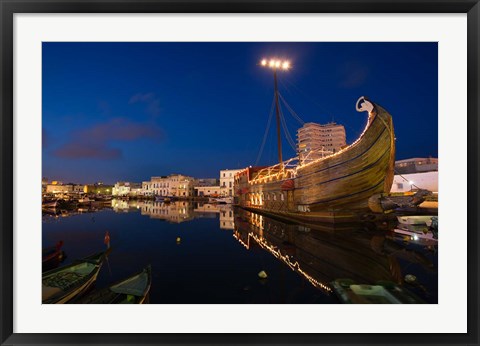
98,189
127,189
313,137
416,165
207,191
59,188
227,181
173,185
78,189
206,182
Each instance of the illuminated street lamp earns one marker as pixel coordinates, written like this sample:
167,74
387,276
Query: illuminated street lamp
277,64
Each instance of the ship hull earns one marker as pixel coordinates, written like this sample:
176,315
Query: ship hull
333,188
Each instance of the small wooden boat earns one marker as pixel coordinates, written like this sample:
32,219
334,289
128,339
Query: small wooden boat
50,204
132,290
62,284
383,293
415,220
417,236
220,200
52,256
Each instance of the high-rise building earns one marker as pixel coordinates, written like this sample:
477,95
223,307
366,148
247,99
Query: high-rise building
315,140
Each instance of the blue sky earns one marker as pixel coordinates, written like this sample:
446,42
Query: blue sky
129,111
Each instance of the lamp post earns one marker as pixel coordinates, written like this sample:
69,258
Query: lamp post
275,65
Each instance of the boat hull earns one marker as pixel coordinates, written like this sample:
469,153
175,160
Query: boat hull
53,291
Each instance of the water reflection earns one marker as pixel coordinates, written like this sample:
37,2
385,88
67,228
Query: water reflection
362,252
178,211
301,260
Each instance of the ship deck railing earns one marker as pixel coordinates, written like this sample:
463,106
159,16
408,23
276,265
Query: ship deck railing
288,169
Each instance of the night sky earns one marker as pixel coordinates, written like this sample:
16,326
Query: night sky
129,111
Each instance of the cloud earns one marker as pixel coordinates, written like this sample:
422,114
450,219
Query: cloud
353,75
95,141
153,103
79,150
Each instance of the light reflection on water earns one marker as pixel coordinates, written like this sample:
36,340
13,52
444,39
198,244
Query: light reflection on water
212,253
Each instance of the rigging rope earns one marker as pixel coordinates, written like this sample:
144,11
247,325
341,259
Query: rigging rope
266,131
292,112
285,130
320,106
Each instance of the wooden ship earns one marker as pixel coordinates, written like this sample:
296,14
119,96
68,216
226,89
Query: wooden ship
332,187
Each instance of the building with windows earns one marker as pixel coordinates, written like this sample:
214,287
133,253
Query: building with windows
415,181
59,188
416,165
207,191
227,181
416,173
98,188
315,140
127,189
173,185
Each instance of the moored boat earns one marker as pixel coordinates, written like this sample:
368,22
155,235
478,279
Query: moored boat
52,256
417,236
350,292
50,204
416,220
335,187
221,200
62,284
132,290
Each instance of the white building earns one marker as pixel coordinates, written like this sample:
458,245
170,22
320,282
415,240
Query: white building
313,137
127,189
207,191
415,181
416,165
174,185
227,181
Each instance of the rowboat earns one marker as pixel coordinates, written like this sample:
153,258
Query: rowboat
382,293
417,236
416,220
132,290
52,255
329,188
62,284
221,200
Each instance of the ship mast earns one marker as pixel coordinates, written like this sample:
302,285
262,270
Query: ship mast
275,65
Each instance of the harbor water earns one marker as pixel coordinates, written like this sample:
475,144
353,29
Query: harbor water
216,253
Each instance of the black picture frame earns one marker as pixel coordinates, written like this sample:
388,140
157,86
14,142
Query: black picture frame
9,7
